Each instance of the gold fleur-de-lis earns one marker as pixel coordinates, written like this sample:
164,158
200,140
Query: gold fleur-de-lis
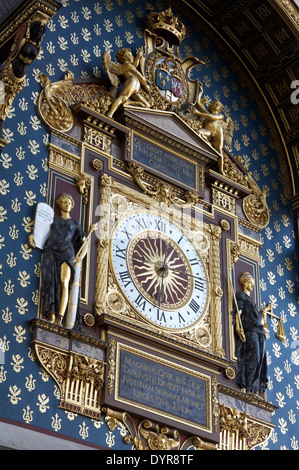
56,423
4,344
24,278
19,334
27,224
2,239
30,383
16,205
27,415
6,315
21,306
13,232
43,401
17,362
11,260
9,287
83,430
14,394
3,374
18,179
110,439
26,251
3,213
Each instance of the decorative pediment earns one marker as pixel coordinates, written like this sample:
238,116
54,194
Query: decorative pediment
171,126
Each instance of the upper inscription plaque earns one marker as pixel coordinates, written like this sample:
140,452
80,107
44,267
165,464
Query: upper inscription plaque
165,163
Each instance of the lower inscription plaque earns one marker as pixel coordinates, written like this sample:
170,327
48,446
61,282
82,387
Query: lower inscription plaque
163,388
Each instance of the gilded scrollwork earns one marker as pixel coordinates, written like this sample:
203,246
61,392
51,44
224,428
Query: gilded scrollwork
255,205
80,379
52,103
157,437
111,365
238,431
160,191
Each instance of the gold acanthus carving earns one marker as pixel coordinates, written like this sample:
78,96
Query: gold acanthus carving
160,191
52,104
111,365
238,431
148,435
63,160
56,98
255,205
80,379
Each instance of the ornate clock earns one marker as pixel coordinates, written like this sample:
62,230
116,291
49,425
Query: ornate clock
159,270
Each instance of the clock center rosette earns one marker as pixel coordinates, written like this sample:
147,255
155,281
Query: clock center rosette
160,270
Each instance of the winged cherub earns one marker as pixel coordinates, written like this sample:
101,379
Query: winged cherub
215,127
133,79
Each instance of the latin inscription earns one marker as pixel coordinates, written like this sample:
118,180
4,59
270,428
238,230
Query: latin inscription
162,388
164,162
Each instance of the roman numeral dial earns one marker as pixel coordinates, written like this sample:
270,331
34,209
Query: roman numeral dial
159,270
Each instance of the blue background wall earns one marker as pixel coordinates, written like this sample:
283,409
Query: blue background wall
76,39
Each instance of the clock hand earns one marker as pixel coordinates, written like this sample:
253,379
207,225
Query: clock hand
160,295
190,275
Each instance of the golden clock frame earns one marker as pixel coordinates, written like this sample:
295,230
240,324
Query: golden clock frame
211,321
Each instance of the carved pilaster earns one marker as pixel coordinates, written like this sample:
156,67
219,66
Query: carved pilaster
216,291
103,243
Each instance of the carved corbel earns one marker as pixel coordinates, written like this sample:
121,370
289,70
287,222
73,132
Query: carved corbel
158,437
83,184
235,252
238,431
79,378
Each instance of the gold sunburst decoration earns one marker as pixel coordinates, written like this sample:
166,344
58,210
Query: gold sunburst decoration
160,270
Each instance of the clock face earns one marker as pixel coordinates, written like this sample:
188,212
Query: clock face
159,270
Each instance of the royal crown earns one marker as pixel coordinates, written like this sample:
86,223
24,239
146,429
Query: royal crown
167,26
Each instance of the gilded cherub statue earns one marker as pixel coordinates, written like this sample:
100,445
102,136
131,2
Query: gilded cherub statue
215,127
133,79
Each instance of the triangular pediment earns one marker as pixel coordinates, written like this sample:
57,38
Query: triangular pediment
170,125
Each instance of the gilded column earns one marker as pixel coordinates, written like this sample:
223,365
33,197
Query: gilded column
103,243
216,291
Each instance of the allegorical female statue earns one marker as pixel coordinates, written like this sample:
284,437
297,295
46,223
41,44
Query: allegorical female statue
57,270
249,324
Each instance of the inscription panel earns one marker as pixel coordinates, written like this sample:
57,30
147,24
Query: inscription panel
165,163
166,389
